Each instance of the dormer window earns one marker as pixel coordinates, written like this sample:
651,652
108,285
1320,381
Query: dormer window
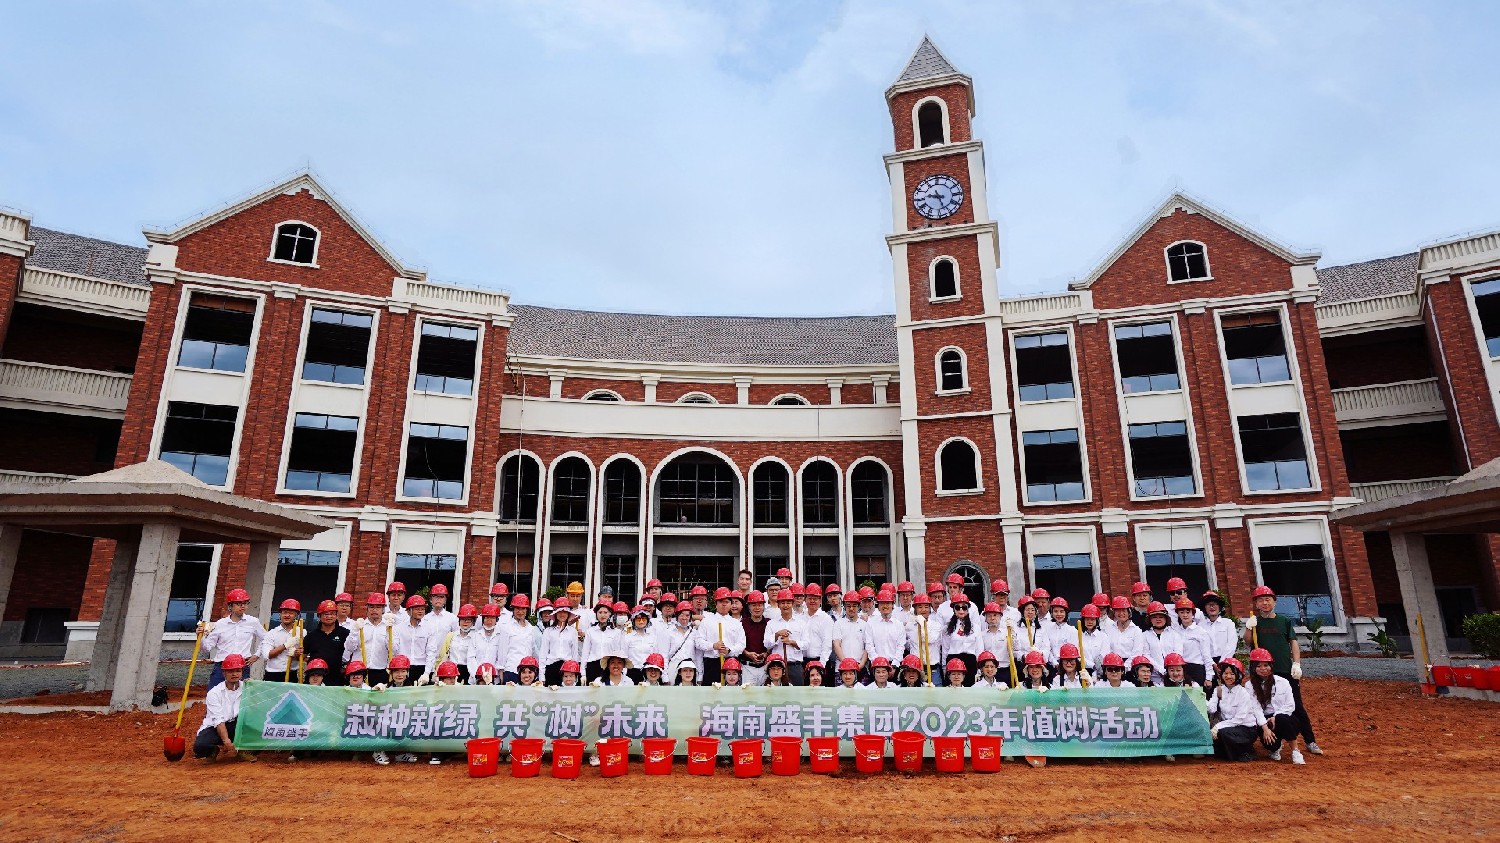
296,242
930,128
1187,261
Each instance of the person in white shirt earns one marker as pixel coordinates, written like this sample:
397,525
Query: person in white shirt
924,636
544,612
1114,671
955,586
345,603
1000,596
1056,631
1223,632
957,674
989,673
819,644
1025,637
720,635
1094,642
221,713
414,637
1069,670
886,635
880,667
849,637
562,641
1240,717
454,646
675,640
1177,592
1034,672
438,617
1124,636
1195,645
281,645
905,600
786,634
687,673
519,642
962,638
614,673
1274,695
395,596
992,630
913,674
640,642
487,644
599,638
1160,639
373,640
941,611
235,633
848,672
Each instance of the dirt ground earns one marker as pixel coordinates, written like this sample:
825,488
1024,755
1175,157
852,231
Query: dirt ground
1397,764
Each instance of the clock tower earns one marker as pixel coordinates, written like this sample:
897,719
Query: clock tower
962,511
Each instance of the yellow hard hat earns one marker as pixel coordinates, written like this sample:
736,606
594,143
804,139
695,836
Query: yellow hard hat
575,587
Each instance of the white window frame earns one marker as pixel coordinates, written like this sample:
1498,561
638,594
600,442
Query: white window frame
1167,261
1335,587
416,349
1030,535
1083,458
963,370
1033,331
276,235
916,126
468,468
1491,364
801,400
958,290
342,307
686,398
595,479
937,461
1143,528
589,396
397,530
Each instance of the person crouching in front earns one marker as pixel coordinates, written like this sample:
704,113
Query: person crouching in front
221,713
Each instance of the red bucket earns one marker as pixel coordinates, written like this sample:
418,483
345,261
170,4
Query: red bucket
786,756
614,756
948,754
703,754
823,755
907,747
567,758
1494,673
1482,678
1442,675
658,755
984,753
484,757
748,755
526,757
869,753
1463,677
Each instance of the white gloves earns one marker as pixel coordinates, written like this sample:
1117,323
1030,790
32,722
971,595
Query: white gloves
380,687
1215,731
510,684
1250,622
389,618
716,685
597,683
205,626
1296,670
426,679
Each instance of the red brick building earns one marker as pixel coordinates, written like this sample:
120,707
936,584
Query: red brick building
1195,406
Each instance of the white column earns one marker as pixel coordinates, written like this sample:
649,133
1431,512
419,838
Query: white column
1419,597
742,391
555,383
835,391
880,382
650,381
145,617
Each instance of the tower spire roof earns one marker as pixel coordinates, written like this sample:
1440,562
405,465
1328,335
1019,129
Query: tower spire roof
928,62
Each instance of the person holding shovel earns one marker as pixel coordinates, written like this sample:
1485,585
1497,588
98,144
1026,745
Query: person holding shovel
221,713
234,634
373,640
282,645
1277,634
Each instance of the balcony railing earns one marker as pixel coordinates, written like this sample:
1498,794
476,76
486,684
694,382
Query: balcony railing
1412,400
8,476
1371,492
63,388
63,289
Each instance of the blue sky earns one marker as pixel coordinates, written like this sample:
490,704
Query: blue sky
682,157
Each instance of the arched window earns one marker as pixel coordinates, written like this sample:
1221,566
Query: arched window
1187,261
518,489
944,279
697,398
295,242
791,399
603,395
953,373
622,492
820,495
696,488
570,491
930,129
958,467
770,484
867,491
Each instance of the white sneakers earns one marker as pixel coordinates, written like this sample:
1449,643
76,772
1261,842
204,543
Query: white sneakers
593,760
407,757
1296,757
382,759
435,761
1314,749
1276,756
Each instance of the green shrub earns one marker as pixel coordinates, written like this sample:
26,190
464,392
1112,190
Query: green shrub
1314,635
1483,631
1383,642
553,593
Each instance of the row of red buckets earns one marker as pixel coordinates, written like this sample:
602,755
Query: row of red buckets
748,756
1482,678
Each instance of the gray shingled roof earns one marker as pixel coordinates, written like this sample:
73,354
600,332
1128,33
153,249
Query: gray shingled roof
926,63
744,340
1368,279
86,256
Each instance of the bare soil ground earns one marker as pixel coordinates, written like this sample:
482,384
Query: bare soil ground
1398,766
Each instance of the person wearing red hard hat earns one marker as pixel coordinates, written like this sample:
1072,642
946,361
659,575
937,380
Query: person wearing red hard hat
1069,668
720,636
924,637
993,629
599,638
910,674
732,675
1125,638
776,672
1034,671
1160,639
1223,632
849,637
414,638
438,617
221,714
1195,645
1274,695
957,673
1113,668
1276,633
1140,601
395,595
520,638
316,672
848,673
280,646
235,633
989,678
786,634
1000,596
1095,640
373,640
885,636
345,603
1176,675
955,587
963,637
454,646
483,646
562,641
1056,631
654,589
655,666
1026,636
639,642
905,593
528,672
1240,716
325,642
499,594
674,637
1177,591
880,671
819,644
1141,671
756,651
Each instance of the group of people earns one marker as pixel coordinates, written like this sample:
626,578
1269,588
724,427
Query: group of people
788,634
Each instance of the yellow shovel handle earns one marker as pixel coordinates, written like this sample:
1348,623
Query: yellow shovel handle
182,706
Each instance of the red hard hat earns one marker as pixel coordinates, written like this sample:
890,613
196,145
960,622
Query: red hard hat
499,588
684,606
880,661
833,588
697,590
1184,603
783,573
999,587
955,579
814,664
485,669
490,610
1040,595
1121,602
958,665
1101,600
447,670
343,597
987,656
731,664
1113,660
544,603
237,595
520,601
936,588
1140,660
812,590
1068,651
1234,663
1035,657
906,587
327,606
848,664
776,658
1260,654
1155,608
1173,660
640,611
570,666
721,593
992,606
316,664
619,607
1024,601
785,594
438,589
399,662
396,585
921,600
354,667
529,661
1140,588
886,597
653,583
656,660
669,597
1263,591
734,594
960,599
290,604
375,599
1058,601
797,589
233,661
416,600
562,604
467,610
1176,584
1089,610
912,662
866,593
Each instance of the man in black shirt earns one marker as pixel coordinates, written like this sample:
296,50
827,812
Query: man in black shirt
1140,598
326,642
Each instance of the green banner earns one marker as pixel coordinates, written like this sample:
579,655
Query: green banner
1092,722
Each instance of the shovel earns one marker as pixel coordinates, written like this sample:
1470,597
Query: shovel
174,745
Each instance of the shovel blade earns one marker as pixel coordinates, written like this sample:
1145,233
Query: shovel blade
173,747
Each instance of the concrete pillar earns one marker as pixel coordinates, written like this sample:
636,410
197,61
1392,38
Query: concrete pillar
1418,596
112,620
260,581
145,617
10,552
1015,561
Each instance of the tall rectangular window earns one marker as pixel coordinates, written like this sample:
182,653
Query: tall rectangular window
519,480
1487,302
1298,574
1068,575
567,567
198,439
819,568
338,346
445,358
417,571
189,591
867,491
1191,565
216,333
1054,466
820,495
697,490
322,453
1147,355
307,576
766,567
1044,367
622,493
1162,459
1255,348
1275,454
570,492
436,456
513,564
769,481
618,572
872,567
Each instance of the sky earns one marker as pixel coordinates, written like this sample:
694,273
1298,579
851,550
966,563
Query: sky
682,157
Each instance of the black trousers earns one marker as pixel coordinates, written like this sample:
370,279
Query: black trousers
376,676
1195,672
970,661
206,744
1285,726
1300,712
1235,743
279,676
552,674
592,671
463,674
415,673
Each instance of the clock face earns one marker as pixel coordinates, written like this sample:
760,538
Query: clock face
938,197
